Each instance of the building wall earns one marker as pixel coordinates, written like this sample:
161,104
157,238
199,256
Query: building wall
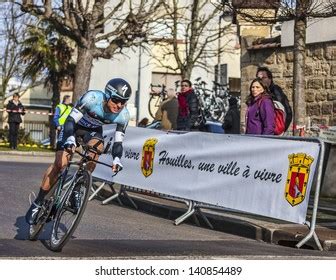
127,67
320,77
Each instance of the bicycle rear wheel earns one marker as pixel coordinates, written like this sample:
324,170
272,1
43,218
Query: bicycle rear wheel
67,216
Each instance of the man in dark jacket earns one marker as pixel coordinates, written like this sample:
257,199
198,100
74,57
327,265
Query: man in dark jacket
277,94
14,109
231,123
188,107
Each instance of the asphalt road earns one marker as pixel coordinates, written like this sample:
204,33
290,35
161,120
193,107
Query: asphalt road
112,231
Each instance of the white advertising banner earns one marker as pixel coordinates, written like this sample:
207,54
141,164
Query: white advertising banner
264,176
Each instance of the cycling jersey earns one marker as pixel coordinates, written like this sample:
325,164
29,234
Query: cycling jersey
90,114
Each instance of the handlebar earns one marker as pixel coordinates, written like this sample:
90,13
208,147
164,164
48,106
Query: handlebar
159,86
92,149
219,85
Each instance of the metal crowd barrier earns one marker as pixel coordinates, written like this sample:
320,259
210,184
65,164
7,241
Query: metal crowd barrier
194,207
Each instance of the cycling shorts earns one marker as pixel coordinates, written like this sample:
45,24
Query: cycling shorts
81,134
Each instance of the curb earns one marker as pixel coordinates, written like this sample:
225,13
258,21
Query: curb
248,226
32,153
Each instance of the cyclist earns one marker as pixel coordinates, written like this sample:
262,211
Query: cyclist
94,109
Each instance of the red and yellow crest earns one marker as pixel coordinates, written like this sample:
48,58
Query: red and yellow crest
148,152
297,178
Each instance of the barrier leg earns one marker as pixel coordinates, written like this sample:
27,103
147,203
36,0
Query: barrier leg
190,211
113,196
317,241
205,219
125,194
110,198
312,224
196,220
113,191
96,191
311,234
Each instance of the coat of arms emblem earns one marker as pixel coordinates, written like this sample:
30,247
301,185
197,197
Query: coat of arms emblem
148,152
297,178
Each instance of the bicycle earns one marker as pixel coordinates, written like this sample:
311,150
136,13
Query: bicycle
58,206
156,98
212,107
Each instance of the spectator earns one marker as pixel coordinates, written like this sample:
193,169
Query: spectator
260,111
276,92
168,111
15,109
188,107
143,122
231,123
62,111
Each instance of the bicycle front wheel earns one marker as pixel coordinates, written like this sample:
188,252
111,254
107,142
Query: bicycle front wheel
69,213
35,229
153,105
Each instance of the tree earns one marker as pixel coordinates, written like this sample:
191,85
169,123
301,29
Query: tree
191,31
12,32
84,22
47,55
299,11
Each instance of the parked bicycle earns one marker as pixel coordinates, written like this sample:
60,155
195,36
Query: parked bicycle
66,201
158,93
213,107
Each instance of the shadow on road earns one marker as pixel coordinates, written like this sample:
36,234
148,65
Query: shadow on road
22,230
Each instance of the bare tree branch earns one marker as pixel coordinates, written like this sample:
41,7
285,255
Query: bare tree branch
193,30
12,32
83,23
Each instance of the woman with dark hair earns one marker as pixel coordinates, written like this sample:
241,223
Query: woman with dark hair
260,115
188,107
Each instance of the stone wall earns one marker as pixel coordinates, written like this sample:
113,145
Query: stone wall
320,75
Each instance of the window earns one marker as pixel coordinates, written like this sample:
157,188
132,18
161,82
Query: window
222,76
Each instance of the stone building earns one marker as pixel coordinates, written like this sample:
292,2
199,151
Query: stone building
266,45
320,74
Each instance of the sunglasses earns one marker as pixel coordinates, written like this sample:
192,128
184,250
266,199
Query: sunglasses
117,100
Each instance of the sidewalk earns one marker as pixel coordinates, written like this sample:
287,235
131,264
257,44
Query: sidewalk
237,223
19,156
243,224
21,153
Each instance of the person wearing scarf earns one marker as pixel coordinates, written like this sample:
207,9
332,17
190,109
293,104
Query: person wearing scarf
188,107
